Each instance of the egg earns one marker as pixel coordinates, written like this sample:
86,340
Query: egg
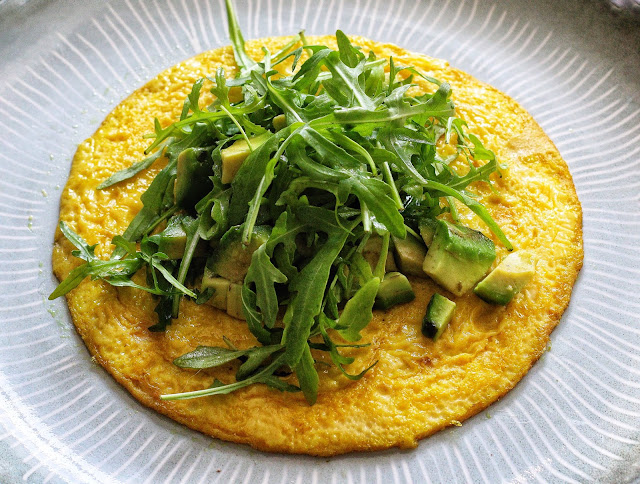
417,386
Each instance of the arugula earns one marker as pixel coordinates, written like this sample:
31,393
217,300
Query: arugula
349,156
117,272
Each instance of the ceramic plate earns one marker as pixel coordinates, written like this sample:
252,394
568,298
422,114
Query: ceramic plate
574,418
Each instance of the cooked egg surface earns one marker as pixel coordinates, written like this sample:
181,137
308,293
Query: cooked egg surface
417,387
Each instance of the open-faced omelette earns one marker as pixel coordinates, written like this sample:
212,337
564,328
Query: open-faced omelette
416,385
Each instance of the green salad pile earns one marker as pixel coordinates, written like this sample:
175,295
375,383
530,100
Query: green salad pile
270,201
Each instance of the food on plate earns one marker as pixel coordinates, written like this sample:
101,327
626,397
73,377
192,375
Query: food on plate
331,245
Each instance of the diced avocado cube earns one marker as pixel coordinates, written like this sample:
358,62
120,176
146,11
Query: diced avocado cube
221,286
234,301
427,228
231,258
410,253
234,155
439,314
371,253
394,289
458,257
235,94
192,176
506,280
173,238
279,122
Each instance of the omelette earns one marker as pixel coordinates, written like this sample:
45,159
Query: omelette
416,385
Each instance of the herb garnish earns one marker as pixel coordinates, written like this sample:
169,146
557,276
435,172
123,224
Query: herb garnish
343,155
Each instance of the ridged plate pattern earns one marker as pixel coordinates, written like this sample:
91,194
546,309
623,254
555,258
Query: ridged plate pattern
574,418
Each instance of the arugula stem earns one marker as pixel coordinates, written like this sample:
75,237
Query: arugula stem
164,216
380,268
235,121
452,208
254,209
268,371
386,170
282,53
185,262
305,44
413,232
352,145
366,217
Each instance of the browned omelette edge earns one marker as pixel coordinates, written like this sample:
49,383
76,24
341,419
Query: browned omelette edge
148,394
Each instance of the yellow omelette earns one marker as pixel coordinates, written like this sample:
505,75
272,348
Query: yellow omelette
417,386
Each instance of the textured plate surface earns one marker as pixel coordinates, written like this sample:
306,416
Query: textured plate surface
574,418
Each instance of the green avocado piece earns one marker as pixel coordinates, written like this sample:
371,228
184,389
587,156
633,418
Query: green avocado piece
234,301
221,286
439,313
279,122
410,253
394,289
192,176
173,238
506,280
234,155
458,257
428,228
231,258
371,253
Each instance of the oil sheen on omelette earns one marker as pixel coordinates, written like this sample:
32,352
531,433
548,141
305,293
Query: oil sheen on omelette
417,386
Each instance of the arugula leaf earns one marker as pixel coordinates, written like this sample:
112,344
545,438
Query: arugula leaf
349,55
94,267
358,311
309,288
340,360
191,103
346,85
265,275
307,376
211,356
265,376
253,316
163,310
190,226
248,179
85,251
255,358
213,214
282,244
137,167
308,72
244,62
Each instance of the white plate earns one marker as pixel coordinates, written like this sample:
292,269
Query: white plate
575,417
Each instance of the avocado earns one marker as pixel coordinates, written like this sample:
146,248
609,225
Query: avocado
458,257
221,286
235,94
234,155
371,253
231,258
394,289
410,253
227,295
234,301
427,227
192,176
279,122
439,313
173,238
506,280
